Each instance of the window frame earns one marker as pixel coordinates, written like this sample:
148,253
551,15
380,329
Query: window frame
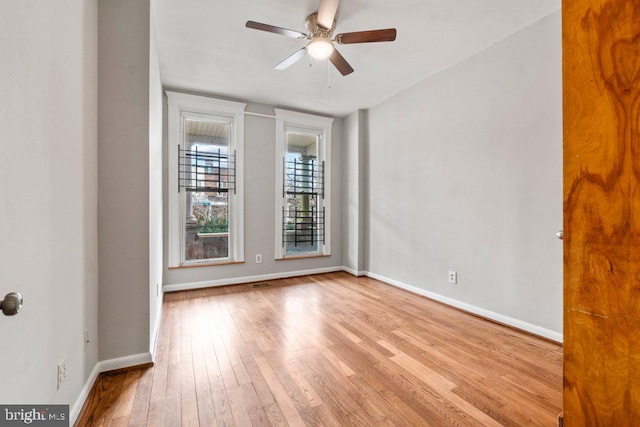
180,106
314,125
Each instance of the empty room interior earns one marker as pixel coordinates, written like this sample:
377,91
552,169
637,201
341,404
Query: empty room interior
320,212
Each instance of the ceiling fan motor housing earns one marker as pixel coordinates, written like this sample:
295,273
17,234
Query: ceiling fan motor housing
316,29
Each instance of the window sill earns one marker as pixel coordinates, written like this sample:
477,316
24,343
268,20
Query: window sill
209,235
302,256
207,264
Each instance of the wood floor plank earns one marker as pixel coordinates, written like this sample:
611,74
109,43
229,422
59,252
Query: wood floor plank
224,362
332,392
172,399
287,407
332,375
298,377
275,415
204,398
239,409
254,407
389,414
188,396
142,399
330,350
156,415
279,364
335,360
120,422
232,344
99,404
115,384
222,408
462,370
440,384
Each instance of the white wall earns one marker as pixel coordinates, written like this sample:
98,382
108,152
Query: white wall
48,196
354,190
124,127
465,174
155,184
259,213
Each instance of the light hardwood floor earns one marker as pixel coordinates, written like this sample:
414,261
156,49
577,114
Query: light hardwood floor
331,350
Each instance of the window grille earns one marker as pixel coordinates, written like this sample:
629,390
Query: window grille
302,227
303,177
206,171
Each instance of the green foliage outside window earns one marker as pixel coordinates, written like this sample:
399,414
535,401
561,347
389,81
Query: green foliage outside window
214,225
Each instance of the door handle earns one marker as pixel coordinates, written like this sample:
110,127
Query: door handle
11,304
559,234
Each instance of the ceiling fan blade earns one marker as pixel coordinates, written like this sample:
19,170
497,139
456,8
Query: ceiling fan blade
386,35
340,63
327,13
273,29
292,59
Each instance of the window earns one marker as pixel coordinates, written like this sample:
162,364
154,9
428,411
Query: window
205,153
303,183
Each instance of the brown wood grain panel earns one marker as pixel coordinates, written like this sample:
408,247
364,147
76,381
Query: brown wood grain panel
601,85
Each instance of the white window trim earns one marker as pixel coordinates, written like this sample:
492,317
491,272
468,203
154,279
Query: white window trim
303,122
179,104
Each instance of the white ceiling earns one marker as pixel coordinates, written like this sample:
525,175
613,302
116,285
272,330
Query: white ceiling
204,47
206,128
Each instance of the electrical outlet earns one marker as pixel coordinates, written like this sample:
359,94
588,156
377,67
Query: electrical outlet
453,277
258,258
62,372
86,339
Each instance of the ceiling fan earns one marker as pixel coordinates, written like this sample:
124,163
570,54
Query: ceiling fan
321,25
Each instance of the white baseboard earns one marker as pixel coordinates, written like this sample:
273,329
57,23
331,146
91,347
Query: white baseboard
354,272
518,324
84,393
104,366
154,341
248,279
124,362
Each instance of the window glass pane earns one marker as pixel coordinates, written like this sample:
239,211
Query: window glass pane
207,208
303,222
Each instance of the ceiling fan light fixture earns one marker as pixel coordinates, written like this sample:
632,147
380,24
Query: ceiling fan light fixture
320,48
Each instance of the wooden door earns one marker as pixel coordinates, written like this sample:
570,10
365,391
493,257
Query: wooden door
601,92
